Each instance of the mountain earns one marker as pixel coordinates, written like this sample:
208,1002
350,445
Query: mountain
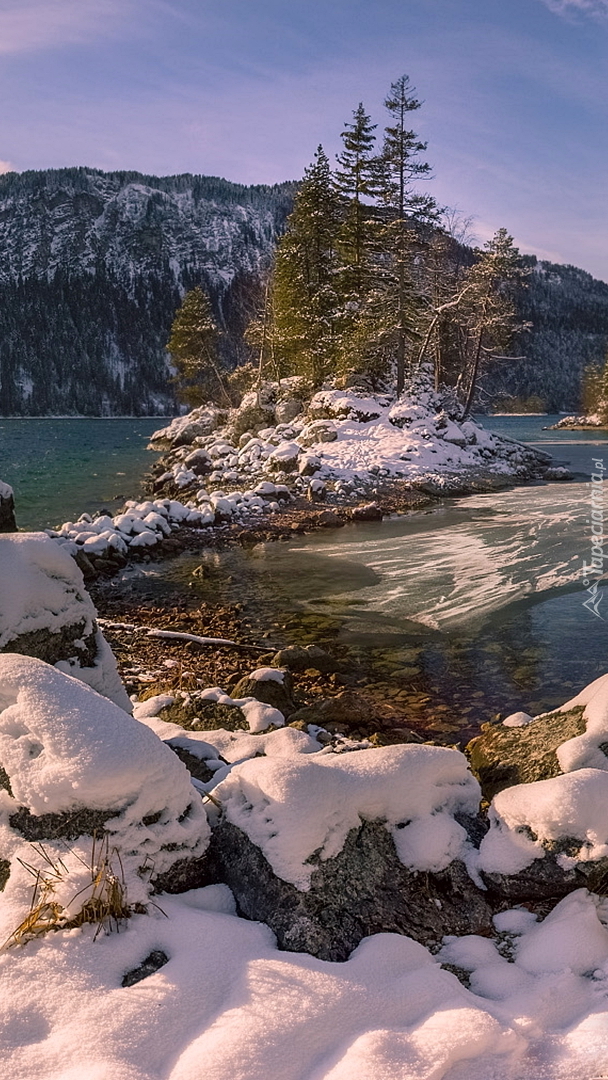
568,314
93,266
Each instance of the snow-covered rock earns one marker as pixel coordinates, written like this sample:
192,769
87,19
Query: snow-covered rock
75,765
295,809
7,508
46,612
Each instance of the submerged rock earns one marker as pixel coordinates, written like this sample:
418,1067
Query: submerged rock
299,658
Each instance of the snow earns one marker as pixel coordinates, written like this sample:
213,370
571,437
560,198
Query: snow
64,748
517,719
267,674
152,706
292,808
585,750
228,1005
42,589
571,806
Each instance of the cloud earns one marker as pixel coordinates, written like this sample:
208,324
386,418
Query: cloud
5,166
28,25
598,9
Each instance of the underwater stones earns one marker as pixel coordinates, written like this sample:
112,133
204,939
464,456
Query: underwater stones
299,658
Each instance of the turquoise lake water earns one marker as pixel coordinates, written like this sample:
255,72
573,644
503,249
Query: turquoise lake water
60,468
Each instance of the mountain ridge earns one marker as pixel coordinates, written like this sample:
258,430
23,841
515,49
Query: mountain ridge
94,264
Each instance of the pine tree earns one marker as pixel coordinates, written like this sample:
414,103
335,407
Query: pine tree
405,210
193,349
358,178
304,300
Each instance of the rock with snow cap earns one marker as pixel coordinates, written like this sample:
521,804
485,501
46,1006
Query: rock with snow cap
329,848
46,612
273,686
77,768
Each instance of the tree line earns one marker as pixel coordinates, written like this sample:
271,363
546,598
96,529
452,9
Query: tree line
371,282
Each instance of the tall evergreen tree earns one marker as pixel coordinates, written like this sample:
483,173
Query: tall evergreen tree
405,210
358,178
193,350
487,312
304,300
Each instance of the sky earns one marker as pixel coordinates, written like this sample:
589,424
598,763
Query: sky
514,92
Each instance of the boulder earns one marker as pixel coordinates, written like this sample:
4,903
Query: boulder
285,411
328,519
363,890
273,686
299,658
7,509
199,462
76,768
367,512
46,612
503,755
343,712
328,848
200,715
547,838
319,431
285,457
308,465
184,430
316,491
345,405
558,472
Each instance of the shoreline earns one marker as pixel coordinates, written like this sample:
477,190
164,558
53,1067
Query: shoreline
194,668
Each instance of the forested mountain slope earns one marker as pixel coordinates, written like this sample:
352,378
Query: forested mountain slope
568,312
92,268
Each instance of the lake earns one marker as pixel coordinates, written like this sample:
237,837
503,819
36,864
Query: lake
60,468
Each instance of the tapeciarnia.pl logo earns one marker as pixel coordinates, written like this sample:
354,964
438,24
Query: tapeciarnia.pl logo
593,571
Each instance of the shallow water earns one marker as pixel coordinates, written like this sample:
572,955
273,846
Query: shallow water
60,468
452,614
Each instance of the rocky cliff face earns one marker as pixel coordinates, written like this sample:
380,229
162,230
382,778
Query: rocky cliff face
92,268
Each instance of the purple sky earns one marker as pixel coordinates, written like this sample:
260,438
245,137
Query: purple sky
515,96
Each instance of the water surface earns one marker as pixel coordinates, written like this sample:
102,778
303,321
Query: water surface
453,614
60,468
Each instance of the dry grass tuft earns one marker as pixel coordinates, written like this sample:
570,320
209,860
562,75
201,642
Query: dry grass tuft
106,898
